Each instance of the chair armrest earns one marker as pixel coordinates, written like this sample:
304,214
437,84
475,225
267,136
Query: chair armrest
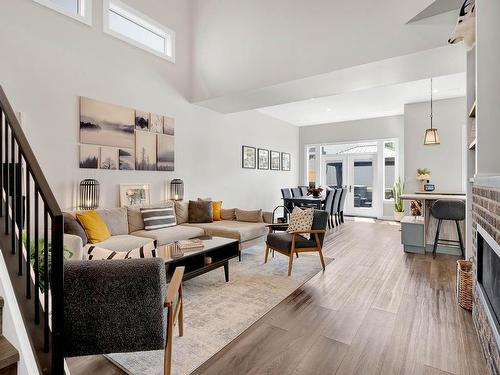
277,225
74,244
313,231
114,306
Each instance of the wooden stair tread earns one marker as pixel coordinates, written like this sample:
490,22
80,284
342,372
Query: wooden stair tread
8,354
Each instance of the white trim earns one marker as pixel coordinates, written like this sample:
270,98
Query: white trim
142,20
84,12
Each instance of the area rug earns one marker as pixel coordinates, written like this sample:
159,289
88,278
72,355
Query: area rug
215,312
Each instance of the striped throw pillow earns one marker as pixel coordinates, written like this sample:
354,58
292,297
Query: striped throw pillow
158,217
100,253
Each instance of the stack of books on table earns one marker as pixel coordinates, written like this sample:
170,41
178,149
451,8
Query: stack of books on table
193,244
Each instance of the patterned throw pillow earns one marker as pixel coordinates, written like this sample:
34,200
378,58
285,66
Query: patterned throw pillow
158,217
99,253
300,220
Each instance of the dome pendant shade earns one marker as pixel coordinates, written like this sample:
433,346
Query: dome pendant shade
431,137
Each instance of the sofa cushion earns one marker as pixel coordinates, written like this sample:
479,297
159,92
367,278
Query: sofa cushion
227,214
72,226
95,228
216,207
200,211
252,216
169,235
233,229
181,212
115,219
283,241
158,217
124,242
99,253
134,215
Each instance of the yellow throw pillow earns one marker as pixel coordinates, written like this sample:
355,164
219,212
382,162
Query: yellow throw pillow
216,207
95,228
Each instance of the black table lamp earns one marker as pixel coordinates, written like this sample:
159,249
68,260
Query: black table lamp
177,189
89,194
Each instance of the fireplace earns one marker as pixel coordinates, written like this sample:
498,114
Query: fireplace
488,278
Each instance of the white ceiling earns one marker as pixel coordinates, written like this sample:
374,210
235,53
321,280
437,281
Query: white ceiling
362,104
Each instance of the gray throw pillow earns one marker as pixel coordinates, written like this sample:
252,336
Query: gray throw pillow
72,226
200,211
249,216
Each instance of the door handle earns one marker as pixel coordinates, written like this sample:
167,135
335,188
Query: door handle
350,188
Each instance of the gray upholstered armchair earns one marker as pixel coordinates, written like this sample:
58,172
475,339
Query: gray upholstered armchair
114,306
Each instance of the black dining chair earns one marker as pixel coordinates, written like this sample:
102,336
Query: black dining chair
286,193
335,206
304,190
330,194
296,192
343,196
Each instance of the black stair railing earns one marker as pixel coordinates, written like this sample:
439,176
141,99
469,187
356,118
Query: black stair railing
31,242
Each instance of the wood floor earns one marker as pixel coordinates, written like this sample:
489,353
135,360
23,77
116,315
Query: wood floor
375,310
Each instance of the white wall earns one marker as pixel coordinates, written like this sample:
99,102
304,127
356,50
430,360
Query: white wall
444,160
52,60
244,45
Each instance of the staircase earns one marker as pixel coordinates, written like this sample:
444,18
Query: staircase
31,242
8,354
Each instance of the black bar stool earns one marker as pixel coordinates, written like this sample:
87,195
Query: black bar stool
448,210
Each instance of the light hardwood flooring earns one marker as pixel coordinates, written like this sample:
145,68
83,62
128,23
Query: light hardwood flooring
375,310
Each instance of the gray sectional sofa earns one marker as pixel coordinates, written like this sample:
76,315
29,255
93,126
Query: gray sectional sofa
127,232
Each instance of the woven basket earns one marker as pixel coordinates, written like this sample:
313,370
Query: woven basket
464,284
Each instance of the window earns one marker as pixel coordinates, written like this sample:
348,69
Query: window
80,10
311,166
389,168
127,24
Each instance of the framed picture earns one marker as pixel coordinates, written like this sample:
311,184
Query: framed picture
168,125
105,124
286,161
89,156
126,159
166,152
145,151
275,160
135,194
141,120
248,157
109,158
156,123
263,158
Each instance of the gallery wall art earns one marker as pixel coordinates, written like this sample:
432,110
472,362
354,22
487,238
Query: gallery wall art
121,138
261,158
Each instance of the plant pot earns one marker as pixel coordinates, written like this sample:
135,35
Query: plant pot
422,183
316,195
398,216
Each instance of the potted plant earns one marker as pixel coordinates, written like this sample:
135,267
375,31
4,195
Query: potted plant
423,174
397,190
316,192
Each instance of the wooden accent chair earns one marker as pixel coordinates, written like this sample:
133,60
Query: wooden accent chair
291,244
175,313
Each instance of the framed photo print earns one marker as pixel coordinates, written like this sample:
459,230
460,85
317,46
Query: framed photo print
286,161
135,194
248,157
262,158
275,160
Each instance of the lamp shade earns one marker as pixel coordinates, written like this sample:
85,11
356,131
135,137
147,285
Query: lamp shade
89,194
431,137
177,189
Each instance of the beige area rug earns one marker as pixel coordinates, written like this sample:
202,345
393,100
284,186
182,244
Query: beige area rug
215,312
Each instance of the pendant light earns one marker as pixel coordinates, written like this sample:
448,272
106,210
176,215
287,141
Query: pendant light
431,135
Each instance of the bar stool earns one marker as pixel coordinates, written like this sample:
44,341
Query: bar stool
448,210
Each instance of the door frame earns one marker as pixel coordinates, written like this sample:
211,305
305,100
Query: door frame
362,211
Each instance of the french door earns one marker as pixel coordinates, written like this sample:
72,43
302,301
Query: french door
357,173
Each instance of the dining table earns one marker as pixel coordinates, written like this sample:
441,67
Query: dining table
307,200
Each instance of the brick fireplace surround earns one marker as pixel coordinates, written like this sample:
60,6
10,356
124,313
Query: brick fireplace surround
486,213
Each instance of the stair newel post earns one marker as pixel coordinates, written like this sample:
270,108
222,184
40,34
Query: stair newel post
57,288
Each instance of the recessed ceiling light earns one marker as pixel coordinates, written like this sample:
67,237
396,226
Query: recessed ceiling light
436,90
328,109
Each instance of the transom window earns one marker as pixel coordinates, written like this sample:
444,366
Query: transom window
131,26
80,10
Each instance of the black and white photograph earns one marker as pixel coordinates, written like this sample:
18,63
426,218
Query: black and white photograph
156,123
135,194
126,159
168,125
141,120
248,157
89,156
275,160
106,124
166,152
263,158
109,158
286,161
145,151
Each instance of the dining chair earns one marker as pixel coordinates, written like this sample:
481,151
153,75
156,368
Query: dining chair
330,194
293,243
304,190
335,206
286,193
296,192
342,205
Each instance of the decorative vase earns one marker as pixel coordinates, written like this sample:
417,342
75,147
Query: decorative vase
398,216
316,194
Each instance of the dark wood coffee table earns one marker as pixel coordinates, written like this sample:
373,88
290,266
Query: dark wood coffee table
220,250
